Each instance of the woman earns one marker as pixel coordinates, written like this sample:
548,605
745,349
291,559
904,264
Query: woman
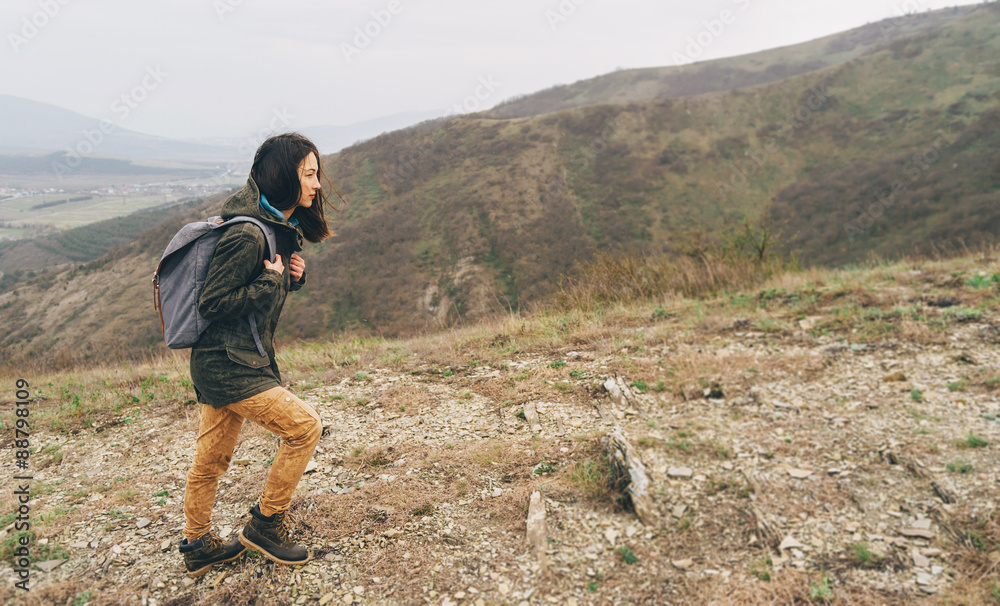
232,379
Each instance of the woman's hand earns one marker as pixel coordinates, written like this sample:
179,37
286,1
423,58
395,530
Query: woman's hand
297,266
277,266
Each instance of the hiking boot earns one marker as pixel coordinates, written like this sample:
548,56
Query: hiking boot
269,535
201,554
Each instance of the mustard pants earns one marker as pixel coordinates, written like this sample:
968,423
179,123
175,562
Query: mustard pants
279,411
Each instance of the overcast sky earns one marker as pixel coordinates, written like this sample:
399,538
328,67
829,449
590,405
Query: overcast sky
213,68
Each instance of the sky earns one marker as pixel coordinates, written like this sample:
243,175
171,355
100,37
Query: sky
200,69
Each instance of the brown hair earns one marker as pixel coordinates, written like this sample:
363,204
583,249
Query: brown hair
276,172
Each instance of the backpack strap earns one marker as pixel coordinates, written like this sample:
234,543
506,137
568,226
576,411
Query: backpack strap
269,237
271,253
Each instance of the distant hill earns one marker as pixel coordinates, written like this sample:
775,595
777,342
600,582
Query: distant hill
453,219
34,125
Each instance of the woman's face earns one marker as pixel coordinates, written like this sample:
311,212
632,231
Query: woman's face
308,180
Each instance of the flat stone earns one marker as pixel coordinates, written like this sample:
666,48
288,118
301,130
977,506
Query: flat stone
188,582
80,545
323,601
165,545
393,532
143,522
799,474
678,511
311,466
923,524
503,589
682,564
680,472
920,560
611,535
48,565
790,543
895,377
917,533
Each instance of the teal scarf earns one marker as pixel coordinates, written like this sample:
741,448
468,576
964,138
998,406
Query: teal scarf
267,206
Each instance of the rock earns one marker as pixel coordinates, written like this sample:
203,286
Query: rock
917,533
531,416
48,565
359,590
611,535
627,464
920,560
165,545
680,472
225,532
81,545
537,533
896,377
348,598
187,582
922,524
242,462
497,492
789,543
311,466
682,564
678,511
799,474
143,522
503,589
393,532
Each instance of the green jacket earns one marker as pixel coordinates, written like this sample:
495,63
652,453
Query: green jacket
225,364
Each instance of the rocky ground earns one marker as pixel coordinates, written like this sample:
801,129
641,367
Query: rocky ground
787,465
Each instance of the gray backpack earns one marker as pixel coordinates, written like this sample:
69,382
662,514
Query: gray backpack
180,278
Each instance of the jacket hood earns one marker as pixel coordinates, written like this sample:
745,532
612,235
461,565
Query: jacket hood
246,203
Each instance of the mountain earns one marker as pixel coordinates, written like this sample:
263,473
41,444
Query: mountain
453,219
689,79
33,125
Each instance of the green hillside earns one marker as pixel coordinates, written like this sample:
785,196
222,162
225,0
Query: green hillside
460,218
689,77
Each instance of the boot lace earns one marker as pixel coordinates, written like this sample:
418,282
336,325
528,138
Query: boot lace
210,542
285,522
